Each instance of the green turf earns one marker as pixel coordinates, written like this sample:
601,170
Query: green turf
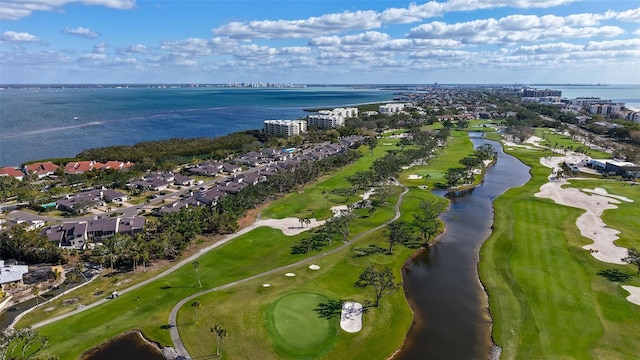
457,147
546,299
297,329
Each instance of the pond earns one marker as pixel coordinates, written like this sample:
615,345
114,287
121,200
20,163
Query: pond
451,316
130,345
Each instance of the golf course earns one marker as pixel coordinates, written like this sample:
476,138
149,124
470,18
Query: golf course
547,296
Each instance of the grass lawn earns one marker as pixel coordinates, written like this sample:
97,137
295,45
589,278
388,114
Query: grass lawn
296,328
245,309
318,197
559,141
246,312
254,252
546,299
457,147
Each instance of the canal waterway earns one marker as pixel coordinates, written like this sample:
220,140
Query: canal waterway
451,316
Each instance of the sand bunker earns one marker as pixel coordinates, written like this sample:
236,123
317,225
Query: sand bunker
634,294
351,317
266,285
290,226
414,177
289,274
314,267
603,192
590,223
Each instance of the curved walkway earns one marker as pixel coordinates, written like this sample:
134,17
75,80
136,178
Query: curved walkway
175,335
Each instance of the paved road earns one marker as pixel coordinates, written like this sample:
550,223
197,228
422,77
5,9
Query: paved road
175,335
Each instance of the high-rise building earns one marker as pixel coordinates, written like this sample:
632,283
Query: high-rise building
285,127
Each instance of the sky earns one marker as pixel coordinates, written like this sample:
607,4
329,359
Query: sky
320,42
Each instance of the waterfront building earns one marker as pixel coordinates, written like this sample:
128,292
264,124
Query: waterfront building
605,109
585,102
538,93
634,116
285,127
393,108
331,119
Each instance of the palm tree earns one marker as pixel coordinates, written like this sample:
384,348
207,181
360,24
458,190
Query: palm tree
79,268
36,292
220,333
196,305
196,265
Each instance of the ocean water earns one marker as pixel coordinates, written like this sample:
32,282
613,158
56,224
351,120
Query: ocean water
47,123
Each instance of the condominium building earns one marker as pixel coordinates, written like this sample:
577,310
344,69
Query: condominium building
393,108
331,119
537,93
605,109
285,127
585,102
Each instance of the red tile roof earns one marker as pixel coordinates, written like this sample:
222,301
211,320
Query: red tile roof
11,171
41,168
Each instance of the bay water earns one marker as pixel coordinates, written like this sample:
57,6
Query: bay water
61,122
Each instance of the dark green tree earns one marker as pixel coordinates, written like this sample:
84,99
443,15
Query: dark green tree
382,282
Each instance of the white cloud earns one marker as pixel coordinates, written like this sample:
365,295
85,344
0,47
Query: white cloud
93,56
100,48
516,28
133,49
81,32
16,9
291,29
366,19
11,36
632,15
191,46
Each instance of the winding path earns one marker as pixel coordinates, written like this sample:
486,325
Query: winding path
175,335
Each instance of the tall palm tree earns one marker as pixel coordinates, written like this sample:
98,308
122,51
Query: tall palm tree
36,292
196,305
220,334
79,269
196,265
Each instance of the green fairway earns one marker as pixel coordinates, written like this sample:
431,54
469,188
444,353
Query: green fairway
297,329
457,147
546,299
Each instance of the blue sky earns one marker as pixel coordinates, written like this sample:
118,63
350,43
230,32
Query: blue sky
311,41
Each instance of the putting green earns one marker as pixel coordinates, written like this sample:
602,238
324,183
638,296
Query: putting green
296,327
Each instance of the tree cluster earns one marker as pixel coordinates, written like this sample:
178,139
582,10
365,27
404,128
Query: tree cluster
29,246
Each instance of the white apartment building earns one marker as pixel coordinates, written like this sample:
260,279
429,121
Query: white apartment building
605,109
285,127
324,121
393,108
634,116
331,119
585,102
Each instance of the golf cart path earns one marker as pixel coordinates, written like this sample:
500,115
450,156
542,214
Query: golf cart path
173,326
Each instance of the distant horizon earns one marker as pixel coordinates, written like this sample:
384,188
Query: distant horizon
320,42
312,84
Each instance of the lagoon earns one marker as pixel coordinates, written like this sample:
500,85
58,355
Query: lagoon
451,316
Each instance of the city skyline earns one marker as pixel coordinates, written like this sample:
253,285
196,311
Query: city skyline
330,42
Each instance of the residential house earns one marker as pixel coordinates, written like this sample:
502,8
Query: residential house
182,180
42,169
210,197
206,169
80,167
11,275
11,171
230,168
